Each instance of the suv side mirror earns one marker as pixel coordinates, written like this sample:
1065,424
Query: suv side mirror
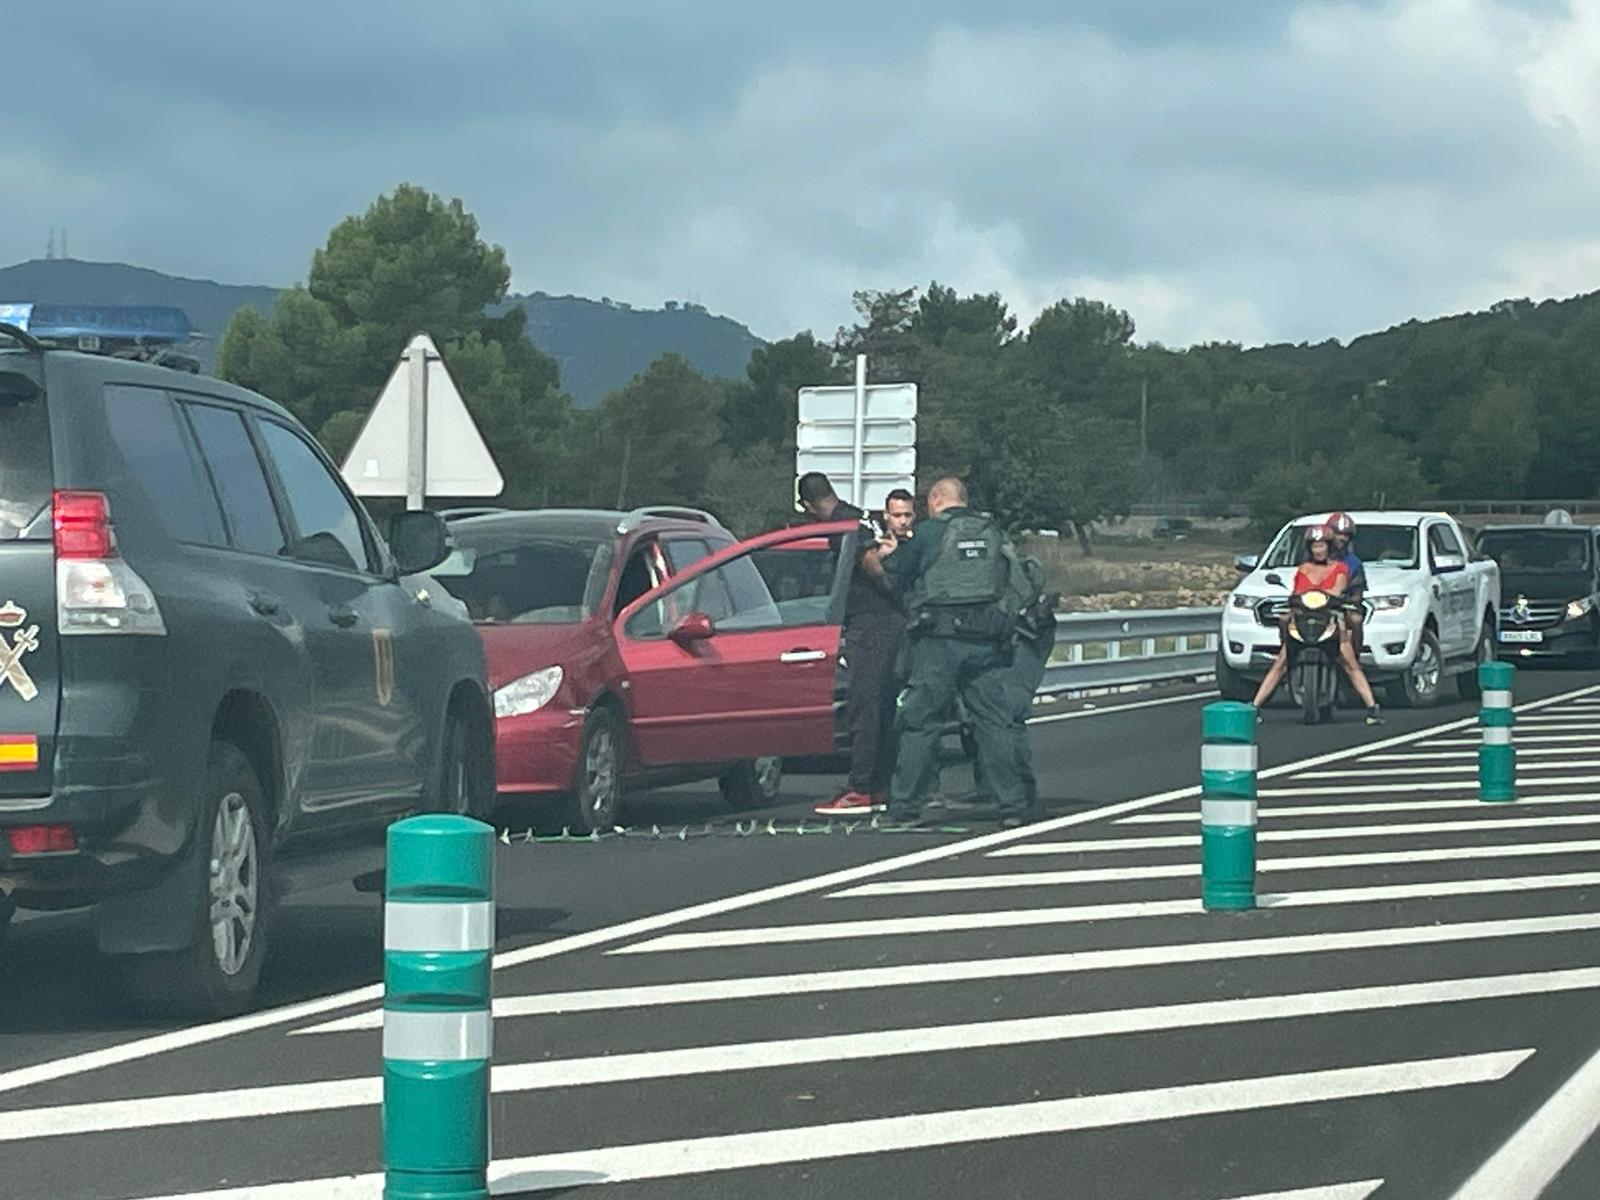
1446,564
694,627
419,540
1275,579
1245,563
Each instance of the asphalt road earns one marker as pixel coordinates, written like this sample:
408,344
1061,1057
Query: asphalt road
1042,1012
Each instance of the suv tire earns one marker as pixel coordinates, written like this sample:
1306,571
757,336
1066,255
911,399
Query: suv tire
596,799
465,787
1231,684
753,784
1423,681
8,909
216,975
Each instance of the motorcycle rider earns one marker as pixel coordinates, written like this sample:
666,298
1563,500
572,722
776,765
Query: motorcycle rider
1343,528
1321,572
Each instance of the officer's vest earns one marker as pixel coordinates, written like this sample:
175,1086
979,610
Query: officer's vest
969,568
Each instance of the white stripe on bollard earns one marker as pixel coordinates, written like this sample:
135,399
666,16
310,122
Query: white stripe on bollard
410,1036
1215,756
438,928
1227,812
1497,735
1497,698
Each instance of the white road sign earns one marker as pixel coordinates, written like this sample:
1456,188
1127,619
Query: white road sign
885,402
419,439
863,438
884,435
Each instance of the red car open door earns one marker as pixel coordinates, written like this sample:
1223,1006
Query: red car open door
737,656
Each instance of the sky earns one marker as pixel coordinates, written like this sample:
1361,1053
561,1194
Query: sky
1240,170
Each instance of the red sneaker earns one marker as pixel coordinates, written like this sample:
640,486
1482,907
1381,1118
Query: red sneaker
848,804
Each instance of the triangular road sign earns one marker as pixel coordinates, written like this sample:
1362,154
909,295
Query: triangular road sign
458,462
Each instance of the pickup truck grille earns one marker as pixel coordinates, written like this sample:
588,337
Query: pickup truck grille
1269,611
1535,614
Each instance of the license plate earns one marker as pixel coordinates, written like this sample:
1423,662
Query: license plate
1522,635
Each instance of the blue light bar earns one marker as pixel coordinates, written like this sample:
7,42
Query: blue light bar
141,323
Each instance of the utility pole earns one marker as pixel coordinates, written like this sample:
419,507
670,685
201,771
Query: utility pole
1144,415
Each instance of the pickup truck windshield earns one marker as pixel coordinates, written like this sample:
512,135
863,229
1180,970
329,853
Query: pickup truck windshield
1374,545
25,471
1538,549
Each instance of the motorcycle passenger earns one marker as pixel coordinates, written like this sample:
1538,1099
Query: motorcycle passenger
1343,528
1322,572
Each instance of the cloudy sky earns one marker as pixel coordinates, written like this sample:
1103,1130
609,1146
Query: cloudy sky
1248,170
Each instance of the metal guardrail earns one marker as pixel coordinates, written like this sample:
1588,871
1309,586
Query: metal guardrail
1130,647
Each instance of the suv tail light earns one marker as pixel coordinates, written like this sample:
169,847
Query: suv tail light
96,591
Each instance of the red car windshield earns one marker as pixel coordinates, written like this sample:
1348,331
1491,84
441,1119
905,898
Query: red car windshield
525,578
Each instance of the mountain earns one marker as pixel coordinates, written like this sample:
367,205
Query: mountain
600,344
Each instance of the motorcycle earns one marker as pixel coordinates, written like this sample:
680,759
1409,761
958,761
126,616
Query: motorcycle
1312,637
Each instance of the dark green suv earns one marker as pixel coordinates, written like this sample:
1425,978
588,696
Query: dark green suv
216,681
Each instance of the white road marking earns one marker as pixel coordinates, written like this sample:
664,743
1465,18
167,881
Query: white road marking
1531,1158
1469,756
749,987
1522,739
822,931
1384,858
845,1139
1449,785
1468,769
1313,834
1106,712
145,1047
1331,1191
1283,811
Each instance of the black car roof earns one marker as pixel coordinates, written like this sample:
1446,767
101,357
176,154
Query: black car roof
100,369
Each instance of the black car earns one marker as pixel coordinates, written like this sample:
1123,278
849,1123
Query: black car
1549,589
215,681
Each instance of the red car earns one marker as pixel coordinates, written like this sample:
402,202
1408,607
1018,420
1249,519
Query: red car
651,648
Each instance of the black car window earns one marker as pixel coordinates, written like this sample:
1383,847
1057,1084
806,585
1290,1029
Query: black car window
241,485
329,525
1537,550
682,552
25,471
635,580
1442,540
159,452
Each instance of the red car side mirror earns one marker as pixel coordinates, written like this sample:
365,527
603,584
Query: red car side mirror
695,627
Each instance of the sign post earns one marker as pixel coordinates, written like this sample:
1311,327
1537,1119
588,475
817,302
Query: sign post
863,437
420,440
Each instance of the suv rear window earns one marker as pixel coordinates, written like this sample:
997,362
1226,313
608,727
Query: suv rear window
25,471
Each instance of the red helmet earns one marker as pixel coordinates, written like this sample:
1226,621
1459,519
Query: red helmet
1342,524
1318,533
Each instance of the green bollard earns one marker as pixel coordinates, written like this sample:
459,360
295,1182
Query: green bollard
1228,806
1497,757
438,943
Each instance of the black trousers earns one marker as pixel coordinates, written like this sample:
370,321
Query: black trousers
872,648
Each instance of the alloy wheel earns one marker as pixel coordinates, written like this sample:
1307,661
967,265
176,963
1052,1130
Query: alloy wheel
233,884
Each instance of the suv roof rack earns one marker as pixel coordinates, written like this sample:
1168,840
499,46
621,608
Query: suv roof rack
638,516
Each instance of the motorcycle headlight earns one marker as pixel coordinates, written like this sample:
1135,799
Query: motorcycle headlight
1580,608
528,694
1240,600
1389,603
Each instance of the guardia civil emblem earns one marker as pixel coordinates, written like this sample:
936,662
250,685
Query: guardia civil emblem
13,645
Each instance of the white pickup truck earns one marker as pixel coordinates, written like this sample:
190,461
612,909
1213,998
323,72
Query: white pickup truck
1431,606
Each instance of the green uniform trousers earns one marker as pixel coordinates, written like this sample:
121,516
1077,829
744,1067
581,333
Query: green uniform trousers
941,669
1023,678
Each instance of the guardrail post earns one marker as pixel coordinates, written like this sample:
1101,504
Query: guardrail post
1228,806
1497,757
438,941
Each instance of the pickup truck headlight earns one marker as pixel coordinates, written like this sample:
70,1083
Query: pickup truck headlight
1580,608
528,694
1240,600
1389,603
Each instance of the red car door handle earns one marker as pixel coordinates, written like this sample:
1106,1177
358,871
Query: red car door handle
795,656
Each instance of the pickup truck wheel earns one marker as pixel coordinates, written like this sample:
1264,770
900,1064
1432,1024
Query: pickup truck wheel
1467,681
1420,685
217,973
1231,684
753,784
597,799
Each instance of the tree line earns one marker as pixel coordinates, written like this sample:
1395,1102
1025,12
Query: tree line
1057,424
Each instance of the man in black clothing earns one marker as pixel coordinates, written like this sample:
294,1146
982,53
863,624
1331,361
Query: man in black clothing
874,628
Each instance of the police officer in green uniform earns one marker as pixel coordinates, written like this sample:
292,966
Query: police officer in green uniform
953,575
1035,640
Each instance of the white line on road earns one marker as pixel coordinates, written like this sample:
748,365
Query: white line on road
1467,756
145,1047
1468,768
1448,785
1522,739
1320,833
1120,708
823,931
1538,1152
1281,811
1318,862
1331,1191
845,1139
749,987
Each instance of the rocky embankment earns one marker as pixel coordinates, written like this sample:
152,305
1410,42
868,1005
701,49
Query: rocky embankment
1099,587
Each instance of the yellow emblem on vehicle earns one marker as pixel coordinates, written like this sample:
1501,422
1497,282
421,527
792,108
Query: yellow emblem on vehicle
12,648
383,665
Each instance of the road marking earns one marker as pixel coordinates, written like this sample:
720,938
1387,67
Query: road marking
1467,756
1448,785
1025,879
920,1131
1531,1158
1523,738
751,987
1378,806
1106,712
1331,1191
70,1120
1468,768
1314,834
145,1047
822,931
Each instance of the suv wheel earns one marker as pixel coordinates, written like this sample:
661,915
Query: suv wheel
217,974
1420,685
465,787
753,784
1231,684
597,800
8,909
